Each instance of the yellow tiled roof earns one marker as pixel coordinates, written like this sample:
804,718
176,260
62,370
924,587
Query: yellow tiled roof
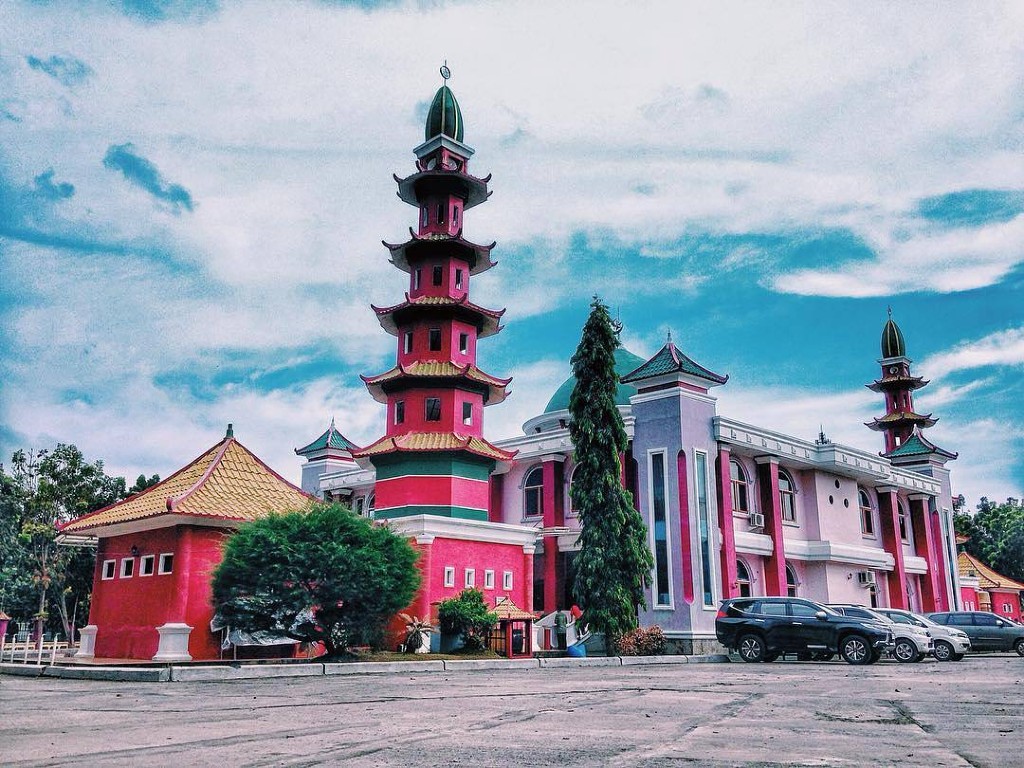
435,441
968,565
508,610
227,482
437,368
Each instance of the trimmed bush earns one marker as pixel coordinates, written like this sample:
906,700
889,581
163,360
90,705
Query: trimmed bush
649,641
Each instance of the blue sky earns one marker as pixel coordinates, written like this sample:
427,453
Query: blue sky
193,194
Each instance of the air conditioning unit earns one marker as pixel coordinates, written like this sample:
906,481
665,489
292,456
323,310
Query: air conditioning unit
866,578
756,520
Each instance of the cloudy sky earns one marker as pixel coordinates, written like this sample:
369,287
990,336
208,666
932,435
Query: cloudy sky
193,195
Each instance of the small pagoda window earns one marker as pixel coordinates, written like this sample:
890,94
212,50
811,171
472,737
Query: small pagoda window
435,339
417,276
407,342
433,409
787,497
440,213
400,412
438,275
166,564
867,514
533,493
455,216
464,343
740,488
109,569
424,216
458,279
467,413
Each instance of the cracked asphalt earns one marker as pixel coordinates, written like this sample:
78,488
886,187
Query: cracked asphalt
969,713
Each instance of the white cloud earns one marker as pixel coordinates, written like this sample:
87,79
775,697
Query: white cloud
1000,348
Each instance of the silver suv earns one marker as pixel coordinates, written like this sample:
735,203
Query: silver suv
913,643
950,643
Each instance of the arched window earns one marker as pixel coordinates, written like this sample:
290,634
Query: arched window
904,526
370,502
787,497
867,513
740,488
533,493
743,579
568,494
791,581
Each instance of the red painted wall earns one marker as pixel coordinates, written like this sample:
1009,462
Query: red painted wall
432,489
451,411
1012,598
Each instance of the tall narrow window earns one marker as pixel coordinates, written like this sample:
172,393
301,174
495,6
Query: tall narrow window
533,493
743,579
464,343
435,339
787,497
662,570
432,409
440,213
424,216
417,277
407,342
902,515
400,412
455,216
867,514
704,521
438,275
458,279
740,489
467,413
371,503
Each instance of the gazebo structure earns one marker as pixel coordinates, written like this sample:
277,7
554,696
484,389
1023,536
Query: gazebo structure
513,636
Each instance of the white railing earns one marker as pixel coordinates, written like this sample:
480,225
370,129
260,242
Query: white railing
23,650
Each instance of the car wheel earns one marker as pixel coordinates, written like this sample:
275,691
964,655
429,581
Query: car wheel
752,648
856,650
944,651
920,657
1018,646
905,651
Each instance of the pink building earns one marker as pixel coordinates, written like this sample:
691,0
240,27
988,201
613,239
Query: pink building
983,589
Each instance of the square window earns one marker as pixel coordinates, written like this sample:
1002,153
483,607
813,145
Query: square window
458,279
127,567
407,342
467,413
166,564
506,580
435,339
470,577
464,343
449,576
400,412
438,275
109,569
488,579
147,564
432,409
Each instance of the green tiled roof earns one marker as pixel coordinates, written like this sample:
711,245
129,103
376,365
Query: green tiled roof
893,344
670,360
332,438
917,445
625,361
444,116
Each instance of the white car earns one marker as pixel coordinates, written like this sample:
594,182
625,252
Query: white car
913,642
950,643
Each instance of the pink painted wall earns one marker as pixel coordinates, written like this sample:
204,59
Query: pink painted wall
429,489
451,412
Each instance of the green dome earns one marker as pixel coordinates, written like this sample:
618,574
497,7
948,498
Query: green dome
625,361
893,344
444,116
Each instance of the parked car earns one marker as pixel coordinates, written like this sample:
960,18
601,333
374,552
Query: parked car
763,628
950,643
913,643
988,632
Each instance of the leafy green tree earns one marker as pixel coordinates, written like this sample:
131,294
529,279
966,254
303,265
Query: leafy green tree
467,615
996,535
614,561
324,575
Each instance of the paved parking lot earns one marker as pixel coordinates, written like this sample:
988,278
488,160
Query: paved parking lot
956,714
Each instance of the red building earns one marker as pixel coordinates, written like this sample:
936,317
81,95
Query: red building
983,589
156,552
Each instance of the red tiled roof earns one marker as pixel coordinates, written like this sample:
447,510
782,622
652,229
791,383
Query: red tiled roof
435,441
968,565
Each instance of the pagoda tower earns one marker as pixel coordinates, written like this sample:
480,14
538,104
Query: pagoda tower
433,459
900,422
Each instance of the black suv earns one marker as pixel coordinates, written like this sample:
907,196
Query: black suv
988,631
763,628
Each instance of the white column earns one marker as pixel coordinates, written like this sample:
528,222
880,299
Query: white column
87,642
173,643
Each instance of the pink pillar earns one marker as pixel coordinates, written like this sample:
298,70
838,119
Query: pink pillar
771,506
182,576
424,604
528,552
730,588
554,517
495,512
682,483
924,546
888,511
942,566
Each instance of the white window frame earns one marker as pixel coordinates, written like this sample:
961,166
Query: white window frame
470,579
407,342
488,579
162,569
127,562
655,605
113,570
464,343
467,418
712,515
506,581
151,559
449,576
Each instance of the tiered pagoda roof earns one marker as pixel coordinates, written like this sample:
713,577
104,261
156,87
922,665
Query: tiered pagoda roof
330,440
901,419
486,320
670,360
227,482
896,382
972,567
472,189
412,442
421,247
919,445
430,370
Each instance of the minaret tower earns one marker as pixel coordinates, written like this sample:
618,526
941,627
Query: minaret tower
433,459
900,421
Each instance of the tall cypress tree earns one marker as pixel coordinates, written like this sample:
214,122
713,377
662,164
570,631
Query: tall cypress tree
614,561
